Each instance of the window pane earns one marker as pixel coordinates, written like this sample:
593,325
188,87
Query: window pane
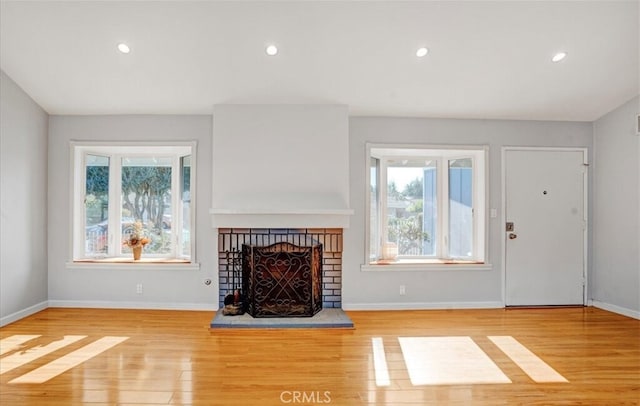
96,205
461,208
374,198
185,199
146,197
409,221
430,210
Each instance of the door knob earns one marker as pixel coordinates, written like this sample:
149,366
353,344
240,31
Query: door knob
513,236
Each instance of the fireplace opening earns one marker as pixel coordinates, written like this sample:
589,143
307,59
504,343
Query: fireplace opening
282,280
232,295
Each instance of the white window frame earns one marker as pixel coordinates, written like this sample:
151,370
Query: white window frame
442,154
115,151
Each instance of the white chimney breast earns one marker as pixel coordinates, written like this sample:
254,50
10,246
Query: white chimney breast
280,166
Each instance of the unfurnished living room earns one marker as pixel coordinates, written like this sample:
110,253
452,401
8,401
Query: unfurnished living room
320,202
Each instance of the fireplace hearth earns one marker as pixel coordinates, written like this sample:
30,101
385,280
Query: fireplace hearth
282,280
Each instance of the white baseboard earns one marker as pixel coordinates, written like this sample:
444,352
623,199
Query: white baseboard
133,305
23,313
422,306
615,309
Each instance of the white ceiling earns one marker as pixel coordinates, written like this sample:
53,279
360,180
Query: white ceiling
486,59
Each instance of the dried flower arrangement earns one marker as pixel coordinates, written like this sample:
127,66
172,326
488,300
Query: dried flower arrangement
137,238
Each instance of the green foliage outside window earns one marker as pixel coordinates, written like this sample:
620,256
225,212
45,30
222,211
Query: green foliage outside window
146,192
146,196
406,228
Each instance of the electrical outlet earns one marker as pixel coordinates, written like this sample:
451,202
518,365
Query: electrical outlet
139,288
403,289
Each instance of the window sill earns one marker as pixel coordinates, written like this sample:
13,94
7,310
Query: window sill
129,263
426,265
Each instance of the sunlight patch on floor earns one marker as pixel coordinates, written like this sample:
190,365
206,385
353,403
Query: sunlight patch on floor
14,342
380,362
70,360
531,364
18,359
428,360
448,361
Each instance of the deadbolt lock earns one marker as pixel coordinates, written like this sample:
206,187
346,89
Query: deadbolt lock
509,226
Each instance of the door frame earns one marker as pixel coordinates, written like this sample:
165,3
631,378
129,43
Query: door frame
503,216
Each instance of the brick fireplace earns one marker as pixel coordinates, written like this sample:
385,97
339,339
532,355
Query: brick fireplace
280,175
231,240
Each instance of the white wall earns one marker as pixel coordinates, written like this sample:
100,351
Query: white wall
280,165
439,288
617,211
280,157
115,286
23,207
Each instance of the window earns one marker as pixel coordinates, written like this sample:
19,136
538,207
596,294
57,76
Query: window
117,186
426,204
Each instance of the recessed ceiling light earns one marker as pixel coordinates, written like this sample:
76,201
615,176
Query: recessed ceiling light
124,48
422,52
559,56
271,50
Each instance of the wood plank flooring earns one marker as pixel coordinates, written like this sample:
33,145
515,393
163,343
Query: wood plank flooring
139,357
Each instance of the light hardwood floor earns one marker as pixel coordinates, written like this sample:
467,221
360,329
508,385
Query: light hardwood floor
172,357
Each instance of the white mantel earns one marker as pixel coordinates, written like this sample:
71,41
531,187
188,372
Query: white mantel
223,218
280,166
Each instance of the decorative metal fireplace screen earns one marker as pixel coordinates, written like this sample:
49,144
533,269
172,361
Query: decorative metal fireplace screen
282,280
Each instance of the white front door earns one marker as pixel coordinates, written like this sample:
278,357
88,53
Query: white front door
545,204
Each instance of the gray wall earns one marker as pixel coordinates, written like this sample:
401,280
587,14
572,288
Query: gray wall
439,288
115,286
23,207
617,210
35,211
